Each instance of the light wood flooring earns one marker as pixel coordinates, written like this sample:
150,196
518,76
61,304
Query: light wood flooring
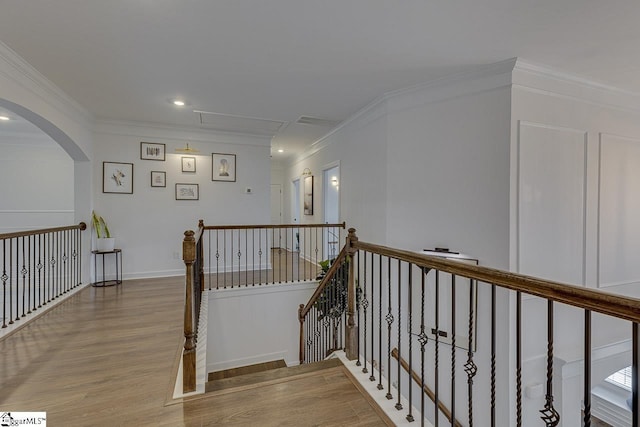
287,266
106,357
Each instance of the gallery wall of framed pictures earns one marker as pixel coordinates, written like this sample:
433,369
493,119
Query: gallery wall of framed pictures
117,177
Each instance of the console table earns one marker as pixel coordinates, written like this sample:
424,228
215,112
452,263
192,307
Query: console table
117,253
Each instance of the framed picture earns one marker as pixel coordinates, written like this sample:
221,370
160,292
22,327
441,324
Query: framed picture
152,151
158,179
188,164
187,192
308,195
117,177
223,167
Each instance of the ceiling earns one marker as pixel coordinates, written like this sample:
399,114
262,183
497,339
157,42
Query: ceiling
279,60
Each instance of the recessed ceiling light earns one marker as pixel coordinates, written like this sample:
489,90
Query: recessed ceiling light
178,102
5,118
280,150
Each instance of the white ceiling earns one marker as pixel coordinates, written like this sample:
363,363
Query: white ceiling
281,59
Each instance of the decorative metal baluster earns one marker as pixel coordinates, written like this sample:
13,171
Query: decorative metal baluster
23,272
380,386
493,355
4,278
437,351
453,349
239,259
635,372
470,367
45,277
519,359
17,279
356,260
409,320
550,416
74,256
372,377
246,262
10,281
389,319
398,405
365,304
65,258
224,258
422,339
587,369
30,279
316,249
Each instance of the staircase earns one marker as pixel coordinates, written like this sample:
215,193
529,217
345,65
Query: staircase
312,394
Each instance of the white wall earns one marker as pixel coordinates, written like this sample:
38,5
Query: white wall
574,212
38,190
149,224
265,321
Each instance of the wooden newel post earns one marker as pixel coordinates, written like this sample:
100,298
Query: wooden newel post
201,256
189,353
351,342
301,320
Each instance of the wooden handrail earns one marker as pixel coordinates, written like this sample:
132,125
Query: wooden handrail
81,226
621,307
326,280
269,226
426,389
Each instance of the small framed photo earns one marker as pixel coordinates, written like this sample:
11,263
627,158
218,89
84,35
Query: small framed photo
223,167
188,164
308,195
152,151
158,179
187,192
117,177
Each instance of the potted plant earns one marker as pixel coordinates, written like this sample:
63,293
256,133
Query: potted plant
104,241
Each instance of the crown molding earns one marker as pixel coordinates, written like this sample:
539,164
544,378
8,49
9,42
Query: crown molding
162,131
18,70
542,79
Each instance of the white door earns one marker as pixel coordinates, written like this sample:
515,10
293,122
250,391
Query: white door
276,204
331,190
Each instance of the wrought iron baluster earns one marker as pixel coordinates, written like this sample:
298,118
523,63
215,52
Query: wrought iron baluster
493,355
470,367
356,270
587,369
23,272
437,350
422,339
380,386
224,258
365,304
409,320
10,281
549,415
246,260
372,377
398,404
519,359
453,349
65,258
4,283
239,259
635,373
389,319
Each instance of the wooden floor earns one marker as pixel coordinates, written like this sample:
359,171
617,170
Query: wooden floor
285,266
105,358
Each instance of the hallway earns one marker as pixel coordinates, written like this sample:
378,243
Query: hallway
107,356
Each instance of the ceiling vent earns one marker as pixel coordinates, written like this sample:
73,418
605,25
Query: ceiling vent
240,124
315,121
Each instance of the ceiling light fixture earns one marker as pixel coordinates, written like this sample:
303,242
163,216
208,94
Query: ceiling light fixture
178,103
280,150
306,172
5,118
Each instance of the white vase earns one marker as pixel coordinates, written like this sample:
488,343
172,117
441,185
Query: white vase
106,244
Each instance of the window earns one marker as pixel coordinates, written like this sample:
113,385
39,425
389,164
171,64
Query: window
622,378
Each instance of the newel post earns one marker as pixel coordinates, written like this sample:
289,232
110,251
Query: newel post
301,320
189,353
351,342
201,256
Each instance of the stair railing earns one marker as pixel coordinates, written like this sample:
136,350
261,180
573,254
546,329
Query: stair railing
194,286
429,309
38,267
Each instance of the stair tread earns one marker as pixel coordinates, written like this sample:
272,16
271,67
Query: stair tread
244,370
257,378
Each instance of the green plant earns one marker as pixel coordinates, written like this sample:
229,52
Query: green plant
100,226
